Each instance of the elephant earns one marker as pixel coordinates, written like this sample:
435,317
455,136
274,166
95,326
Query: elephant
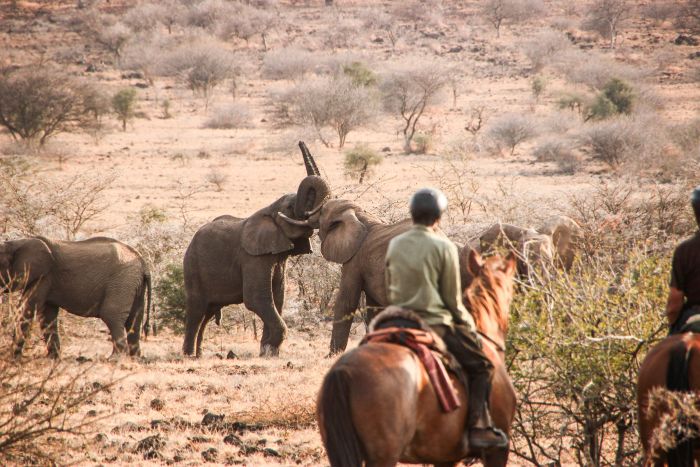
233,261
99,277
532,247
354,238
567,237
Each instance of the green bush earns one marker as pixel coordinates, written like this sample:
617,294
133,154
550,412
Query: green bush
360,161
620,94
575,346
170,298
123,104
538,85
423,143
601,108
360,74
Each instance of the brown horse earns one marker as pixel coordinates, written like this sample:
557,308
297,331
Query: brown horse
675,364
377,406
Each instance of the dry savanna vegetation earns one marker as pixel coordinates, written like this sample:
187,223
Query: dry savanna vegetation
142,120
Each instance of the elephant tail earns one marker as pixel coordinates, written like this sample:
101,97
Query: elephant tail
147,325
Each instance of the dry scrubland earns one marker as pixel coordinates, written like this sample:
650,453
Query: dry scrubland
176,112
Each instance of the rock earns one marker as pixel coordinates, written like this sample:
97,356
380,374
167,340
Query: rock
160,424
127,427
233,439
199,439
150,443
152,454
141,85
269,452
81,359
694,55
101,438
219,356
132,75
231,355
289,365
378,40
386,149
92,413
210,455
455,49
157,404
91,68
211,419
683,39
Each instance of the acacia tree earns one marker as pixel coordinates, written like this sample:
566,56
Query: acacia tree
409,91
606,17
36,104
497,12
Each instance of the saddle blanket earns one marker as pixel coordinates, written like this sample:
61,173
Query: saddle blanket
423,344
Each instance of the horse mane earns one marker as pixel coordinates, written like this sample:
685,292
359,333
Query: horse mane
487,294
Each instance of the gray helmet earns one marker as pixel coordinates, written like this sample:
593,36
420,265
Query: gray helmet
695,203
427,205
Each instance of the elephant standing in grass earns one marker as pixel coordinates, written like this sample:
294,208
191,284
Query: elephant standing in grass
99,277
231,261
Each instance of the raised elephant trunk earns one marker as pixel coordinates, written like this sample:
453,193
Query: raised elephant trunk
313,190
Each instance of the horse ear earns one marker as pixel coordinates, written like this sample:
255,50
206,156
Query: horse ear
511,263
475,263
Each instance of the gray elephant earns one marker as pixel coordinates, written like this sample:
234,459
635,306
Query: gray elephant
99,277
357,240
532,247
232,261
567,237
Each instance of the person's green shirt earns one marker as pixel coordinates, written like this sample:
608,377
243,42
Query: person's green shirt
422,274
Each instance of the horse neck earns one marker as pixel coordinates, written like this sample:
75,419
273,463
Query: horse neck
489,308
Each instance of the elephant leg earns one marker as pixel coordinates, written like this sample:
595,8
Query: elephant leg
213,310
278,284
48,319
373,309
134,324
258,297
345,305
194,318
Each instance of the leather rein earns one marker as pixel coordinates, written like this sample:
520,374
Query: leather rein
500,347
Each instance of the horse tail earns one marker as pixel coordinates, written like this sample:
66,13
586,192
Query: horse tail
677,379
342,443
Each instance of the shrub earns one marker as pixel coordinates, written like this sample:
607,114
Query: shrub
123,104
498,12
375,18
360,162
538,85
202,66
408,91
688,15
36,104
616,141
620,94
544,46
113,37
216,178
246,23
560,152
334,102
419,12
512,130
169,293
594,70
360,74
228,117
423,143
290,63
606,17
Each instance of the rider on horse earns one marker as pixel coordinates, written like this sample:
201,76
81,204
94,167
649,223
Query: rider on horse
684,294
422,274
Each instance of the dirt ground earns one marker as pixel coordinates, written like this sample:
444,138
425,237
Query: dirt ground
268,403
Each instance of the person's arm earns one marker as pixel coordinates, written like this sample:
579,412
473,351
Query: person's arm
674,304
451,288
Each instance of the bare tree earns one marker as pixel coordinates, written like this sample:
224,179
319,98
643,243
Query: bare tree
497,12
689,15
36,104
409,91
606,17
336,102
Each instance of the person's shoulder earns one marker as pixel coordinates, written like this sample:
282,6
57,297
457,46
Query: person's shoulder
690,243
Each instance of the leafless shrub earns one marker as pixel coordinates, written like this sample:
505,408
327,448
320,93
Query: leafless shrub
498,12
422,14
380,20
317,281
206,13
560,152
113,37
288,63
606,17
623,139
39,398
544,46
202,66
144,16
408,91
595,70
36,104
688,16
217,178
511,130
229,117
246,23
146,53
660,10
343,33
34,205
335,102
678,418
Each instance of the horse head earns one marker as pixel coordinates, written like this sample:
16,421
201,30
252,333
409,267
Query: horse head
488,297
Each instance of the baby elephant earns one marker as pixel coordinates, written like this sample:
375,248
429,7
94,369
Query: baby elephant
99,277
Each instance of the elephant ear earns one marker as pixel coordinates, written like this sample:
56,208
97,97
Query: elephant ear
261,236
342,234
31,259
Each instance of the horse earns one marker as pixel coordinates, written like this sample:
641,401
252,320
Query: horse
376,405
674,363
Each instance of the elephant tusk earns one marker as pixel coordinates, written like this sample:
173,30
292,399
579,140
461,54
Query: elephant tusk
293,221
314,210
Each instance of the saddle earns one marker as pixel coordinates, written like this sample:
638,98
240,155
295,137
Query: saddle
688,321
404,327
